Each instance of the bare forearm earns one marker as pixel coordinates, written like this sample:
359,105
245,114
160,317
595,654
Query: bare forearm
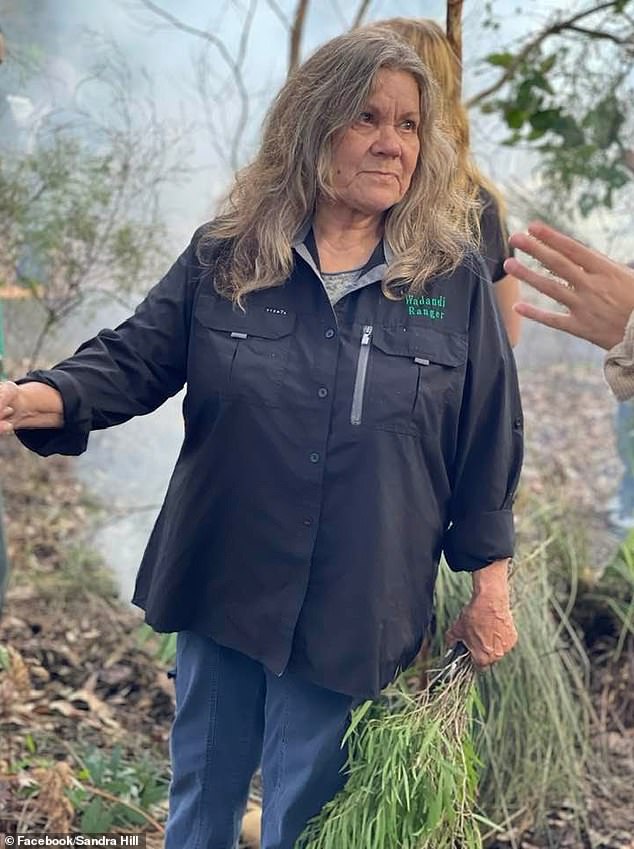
493,578
30,405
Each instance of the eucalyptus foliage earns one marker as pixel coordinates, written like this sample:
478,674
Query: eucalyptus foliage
566,93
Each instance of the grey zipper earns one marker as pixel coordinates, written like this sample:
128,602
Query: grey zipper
358,392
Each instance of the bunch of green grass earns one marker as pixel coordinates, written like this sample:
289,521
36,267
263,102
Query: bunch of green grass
413,773
534,738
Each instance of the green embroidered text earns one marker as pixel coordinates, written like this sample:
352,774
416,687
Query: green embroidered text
430,307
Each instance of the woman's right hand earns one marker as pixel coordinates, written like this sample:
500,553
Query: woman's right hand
29,405
10,406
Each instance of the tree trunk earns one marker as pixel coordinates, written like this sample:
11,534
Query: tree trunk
454,28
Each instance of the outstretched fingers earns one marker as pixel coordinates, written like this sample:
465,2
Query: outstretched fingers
557,320
573,250
555,289
550,258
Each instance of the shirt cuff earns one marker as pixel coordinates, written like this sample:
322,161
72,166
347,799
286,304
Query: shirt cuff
476,540
72,438
618,366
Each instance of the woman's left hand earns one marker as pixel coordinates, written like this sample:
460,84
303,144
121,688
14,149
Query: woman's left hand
485,625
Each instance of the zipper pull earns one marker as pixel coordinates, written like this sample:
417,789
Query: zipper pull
367,333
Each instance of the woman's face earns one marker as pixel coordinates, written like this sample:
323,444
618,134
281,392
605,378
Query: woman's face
375,157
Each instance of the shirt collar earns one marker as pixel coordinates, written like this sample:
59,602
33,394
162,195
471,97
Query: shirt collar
376,266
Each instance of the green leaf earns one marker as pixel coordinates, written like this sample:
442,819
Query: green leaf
96,818
153,793
605,122
357,717
515,117
545,119
570,131
548,64
535,134
524,98
488,108
540,81
434,811
501,60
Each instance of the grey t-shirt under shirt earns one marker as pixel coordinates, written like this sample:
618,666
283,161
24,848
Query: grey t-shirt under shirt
340,283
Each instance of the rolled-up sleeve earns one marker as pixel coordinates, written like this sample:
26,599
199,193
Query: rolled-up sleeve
619,365
125,372
490,445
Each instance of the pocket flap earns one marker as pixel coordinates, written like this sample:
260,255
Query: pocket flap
425,343
266,322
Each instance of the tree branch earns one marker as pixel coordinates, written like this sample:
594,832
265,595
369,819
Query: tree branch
234,65
552,29
244,36
279,14
297,30
190,30
600,34
361,12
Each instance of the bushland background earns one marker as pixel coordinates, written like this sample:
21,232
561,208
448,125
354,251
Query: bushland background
121,122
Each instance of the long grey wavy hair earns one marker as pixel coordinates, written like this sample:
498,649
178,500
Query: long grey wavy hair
273,197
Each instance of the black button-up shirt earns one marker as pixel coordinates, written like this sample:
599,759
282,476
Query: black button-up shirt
330,456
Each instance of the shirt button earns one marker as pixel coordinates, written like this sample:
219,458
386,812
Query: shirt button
329,333
308,522
314,457
322,392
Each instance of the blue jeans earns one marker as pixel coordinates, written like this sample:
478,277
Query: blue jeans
232,714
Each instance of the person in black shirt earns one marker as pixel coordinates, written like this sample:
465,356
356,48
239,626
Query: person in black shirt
438,56
352,412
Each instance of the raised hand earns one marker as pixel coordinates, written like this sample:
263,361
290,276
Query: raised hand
597,292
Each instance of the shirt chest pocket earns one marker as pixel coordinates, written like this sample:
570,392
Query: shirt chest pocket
243,355
406,376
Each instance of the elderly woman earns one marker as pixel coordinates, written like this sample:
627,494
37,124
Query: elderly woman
352,412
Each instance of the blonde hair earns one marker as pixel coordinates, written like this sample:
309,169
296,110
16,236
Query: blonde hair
434,49
275,196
